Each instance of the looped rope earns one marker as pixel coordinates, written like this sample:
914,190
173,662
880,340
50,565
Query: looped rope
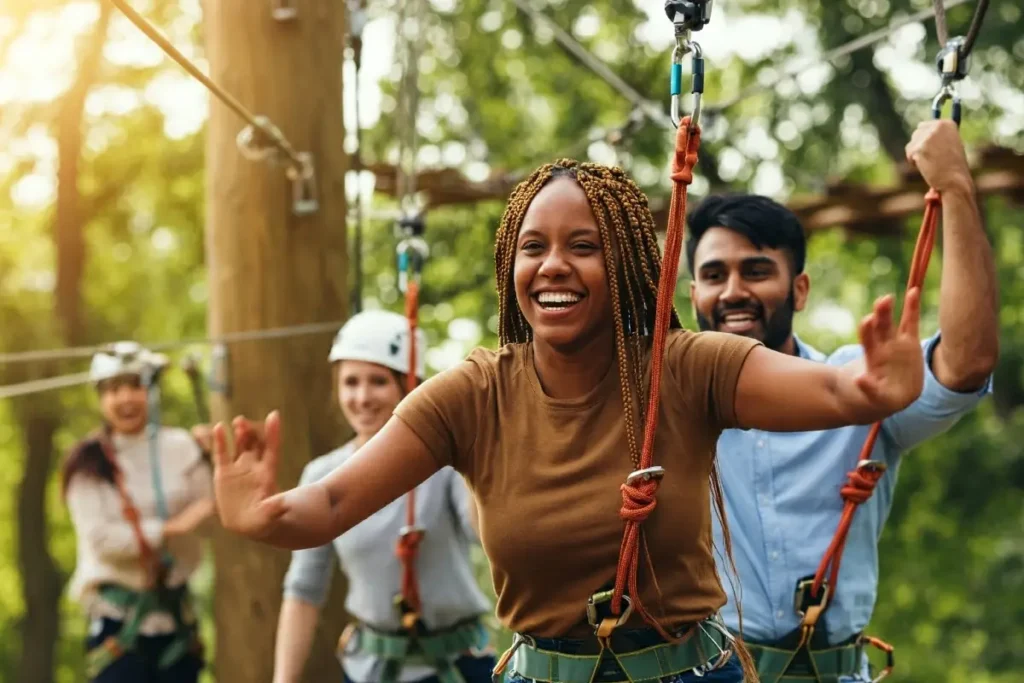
855,493
638,502
640,499
860,484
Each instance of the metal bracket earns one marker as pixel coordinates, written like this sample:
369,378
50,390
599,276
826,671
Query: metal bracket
283,10
304,197
219,379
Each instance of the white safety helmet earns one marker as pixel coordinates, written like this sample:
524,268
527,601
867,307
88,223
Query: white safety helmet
124,358
380,337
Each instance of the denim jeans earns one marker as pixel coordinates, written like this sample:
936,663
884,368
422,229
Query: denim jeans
140,664
731,672
473,670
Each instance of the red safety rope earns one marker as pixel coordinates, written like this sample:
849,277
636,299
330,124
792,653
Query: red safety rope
407,548
639,498
147,554
863,479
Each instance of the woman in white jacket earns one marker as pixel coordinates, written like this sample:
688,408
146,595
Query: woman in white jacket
137,497
370,357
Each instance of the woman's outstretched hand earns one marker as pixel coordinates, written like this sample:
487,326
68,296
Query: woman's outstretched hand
245,483
893,374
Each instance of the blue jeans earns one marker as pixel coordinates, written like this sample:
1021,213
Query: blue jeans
473,670
731,672
140,664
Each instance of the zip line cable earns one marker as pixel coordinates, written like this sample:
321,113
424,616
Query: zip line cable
651,110
72,352
261,134
832,55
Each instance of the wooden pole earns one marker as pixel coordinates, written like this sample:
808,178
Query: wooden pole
270,267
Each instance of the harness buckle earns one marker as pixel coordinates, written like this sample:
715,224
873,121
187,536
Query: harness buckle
646,474
802,598
595,613
407,616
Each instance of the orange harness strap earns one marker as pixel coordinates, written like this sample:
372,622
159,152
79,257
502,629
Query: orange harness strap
147,555
407,548
863,479
640,490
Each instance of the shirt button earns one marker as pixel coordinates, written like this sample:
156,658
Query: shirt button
780,614
760,443
765,500
775,554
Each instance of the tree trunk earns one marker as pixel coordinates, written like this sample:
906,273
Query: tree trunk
40,416
41,582
269,268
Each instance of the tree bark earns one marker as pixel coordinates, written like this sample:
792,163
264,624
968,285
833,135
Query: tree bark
269,268
40,416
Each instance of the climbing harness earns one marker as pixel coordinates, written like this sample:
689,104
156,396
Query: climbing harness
137,605
413,644
809,657
435,649
706,645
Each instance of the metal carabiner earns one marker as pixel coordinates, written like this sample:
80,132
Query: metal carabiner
687,16
952,66
413,251
683,47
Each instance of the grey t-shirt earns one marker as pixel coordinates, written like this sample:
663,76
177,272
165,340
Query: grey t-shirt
366,554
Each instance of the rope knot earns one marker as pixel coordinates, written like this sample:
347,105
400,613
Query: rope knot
861,482
685,158
408,545
638,500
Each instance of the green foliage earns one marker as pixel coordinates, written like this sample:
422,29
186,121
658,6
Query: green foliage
499,90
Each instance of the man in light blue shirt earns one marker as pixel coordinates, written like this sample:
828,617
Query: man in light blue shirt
782,490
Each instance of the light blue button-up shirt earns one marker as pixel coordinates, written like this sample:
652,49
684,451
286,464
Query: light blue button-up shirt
783,505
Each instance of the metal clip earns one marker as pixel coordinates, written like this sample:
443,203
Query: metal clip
683,47
648,473
872,466
802,598
257,143
304,199
283,10
687,16
952,66
218,379
408,530
413,251
594,618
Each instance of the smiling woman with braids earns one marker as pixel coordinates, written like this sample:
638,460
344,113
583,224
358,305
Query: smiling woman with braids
544,429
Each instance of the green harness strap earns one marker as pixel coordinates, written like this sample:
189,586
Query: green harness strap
651,663
138,606
437,649
827,665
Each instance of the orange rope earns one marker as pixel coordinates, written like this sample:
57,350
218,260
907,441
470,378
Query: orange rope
407,548
639,499
147,555
861,482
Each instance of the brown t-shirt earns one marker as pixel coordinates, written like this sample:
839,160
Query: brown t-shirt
546,474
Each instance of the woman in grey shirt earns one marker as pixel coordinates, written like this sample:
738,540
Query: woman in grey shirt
371,356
